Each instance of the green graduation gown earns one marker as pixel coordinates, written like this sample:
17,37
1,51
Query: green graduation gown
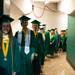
63,41
26,59
37,44
42,42
12,62
52,45
47,43
57,37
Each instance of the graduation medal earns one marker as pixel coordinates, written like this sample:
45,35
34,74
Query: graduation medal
43,34
5,48
35,33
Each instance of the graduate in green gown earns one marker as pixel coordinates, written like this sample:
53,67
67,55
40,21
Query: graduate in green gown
37,43
42,31
63,40
57,37
25,45
9,50
46,43
52,42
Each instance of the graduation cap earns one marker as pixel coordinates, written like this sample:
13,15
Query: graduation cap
52,30
49,30
41,27
63,30
36,22
24,18
6,18
55,28
44,25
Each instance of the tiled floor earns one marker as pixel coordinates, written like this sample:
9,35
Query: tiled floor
57,66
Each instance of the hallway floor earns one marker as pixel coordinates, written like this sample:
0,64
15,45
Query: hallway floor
57,66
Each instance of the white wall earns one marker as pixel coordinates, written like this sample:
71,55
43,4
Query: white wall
67,6
52,19
6,7
62,21
48,18
24,5
15,13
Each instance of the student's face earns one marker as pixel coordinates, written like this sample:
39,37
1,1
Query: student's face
56,30
52,32
5,28
62,33
42,30
35,27
24,23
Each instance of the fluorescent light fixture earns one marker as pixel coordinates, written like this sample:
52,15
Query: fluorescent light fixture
65,6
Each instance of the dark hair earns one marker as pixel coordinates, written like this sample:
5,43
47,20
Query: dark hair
52,29
10,33
55,28
1,35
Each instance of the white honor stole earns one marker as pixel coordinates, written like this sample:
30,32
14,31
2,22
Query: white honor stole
19,39
27,43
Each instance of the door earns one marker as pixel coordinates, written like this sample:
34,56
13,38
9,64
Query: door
71,41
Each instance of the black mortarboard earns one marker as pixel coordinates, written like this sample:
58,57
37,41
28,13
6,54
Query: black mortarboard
24,18
35,22
41,27
49,30
6,18
44,25
55,28
52,29
63,30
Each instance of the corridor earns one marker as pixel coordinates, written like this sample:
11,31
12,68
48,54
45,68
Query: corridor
57,66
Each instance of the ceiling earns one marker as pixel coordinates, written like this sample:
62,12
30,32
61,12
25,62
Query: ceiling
48,1
51,4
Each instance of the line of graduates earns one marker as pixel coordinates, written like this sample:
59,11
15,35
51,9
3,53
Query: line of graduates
20,54
31,46
24,53
54,42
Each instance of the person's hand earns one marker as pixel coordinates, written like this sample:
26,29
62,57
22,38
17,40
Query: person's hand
14,73
50,43
36,54
32,57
